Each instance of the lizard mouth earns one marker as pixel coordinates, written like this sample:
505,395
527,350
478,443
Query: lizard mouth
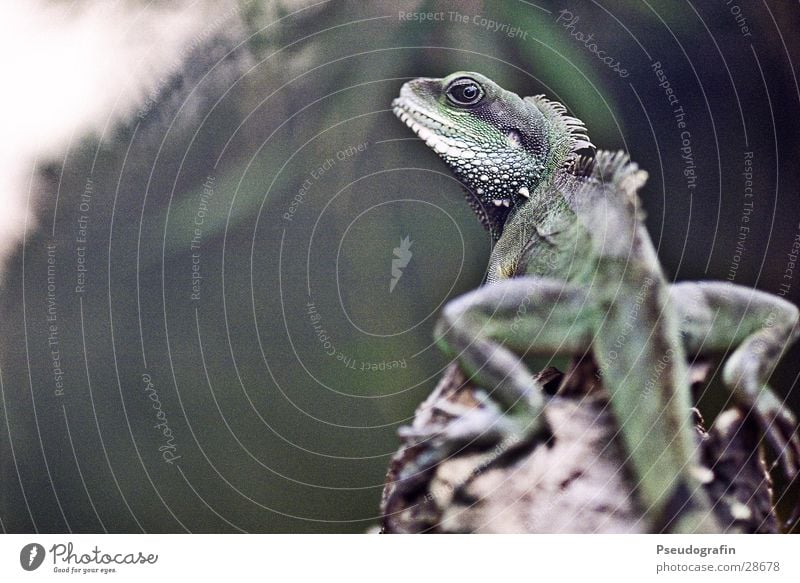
432,131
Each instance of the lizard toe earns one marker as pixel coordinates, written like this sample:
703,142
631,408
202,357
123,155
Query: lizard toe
779,427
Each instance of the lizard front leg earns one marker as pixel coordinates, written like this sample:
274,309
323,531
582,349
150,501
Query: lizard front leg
489,329
716,317
486,331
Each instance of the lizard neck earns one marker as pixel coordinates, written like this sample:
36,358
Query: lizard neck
567,146
546,200
534,223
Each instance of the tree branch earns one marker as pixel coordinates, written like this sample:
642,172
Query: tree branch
575,481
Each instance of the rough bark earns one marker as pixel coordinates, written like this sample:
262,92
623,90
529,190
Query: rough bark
574,481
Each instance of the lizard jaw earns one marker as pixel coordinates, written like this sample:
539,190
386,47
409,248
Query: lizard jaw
425,126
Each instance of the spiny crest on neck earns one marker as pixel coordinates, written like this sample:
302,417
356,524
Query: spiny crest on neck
569,140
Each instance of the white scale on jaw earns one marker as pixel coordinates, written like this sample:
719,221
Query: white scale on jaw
454,149
440,144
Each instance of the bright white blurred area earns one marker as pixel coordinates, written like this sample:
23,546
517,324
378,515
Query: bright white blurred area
71,68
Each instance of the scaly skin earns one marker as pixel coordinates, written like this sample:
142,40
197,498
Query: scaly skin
573,269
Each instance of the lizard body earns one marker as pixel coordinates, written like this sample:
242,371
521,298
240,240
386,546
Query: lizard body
573,269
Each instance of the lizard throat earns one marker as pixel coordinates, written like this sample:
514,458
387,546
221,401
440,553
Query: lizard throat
491,212
493,218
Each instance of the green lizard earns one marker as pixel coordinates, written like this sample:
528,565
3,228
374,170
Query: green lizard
574,270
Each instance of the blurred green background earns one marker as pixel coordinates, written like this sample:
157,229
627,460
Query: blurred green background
284,378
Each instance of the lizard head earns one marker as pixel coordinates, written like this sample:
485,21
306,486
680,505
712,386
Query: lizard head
498,145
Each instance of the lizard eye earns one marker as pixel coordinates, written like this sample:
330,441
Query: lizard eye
464,92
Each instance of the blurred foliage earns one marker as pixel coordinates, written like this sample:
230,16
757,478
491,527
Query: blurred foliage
275,434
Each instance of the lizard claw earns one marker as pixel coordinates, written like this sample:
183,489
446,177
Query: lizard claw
486,424
489,425
779,427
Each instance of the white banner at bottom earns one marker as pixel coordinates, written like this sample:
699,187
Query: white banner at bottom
375,558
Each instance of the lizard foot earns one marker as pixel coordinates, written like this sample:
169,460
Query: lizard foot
779,427
484,425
